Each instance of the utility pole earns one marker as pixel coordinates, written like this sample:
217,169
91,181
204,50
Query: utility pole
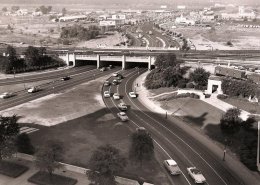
224,151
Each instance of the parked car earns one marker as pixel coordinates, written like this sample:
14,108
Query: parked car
6,95
116,96
172,167
106,94
115,74
122,106
115,82
106,83
65,78
33,90
122,116
102,69
196,175
132,94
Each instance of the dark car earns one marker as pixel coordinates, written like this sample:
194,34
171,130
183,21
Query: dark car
65,78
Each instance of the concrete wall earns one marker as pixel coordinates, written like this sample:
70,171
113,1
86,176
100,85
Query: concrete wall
210,86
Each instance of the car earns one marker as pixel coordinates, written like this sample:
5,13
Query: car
110,66
119,77
140,129
132,94
122,106
33,90
6,95
115,74
106,83
65,78
172,167
196,175
122,116
116,96
115,82
106,94
102,69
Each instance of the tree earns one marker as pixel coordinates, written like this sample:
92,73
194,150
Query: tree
4,9
49,155
31,56
15,8
165,60
24,145
63,11
142,148
200,76
230,122
11,53
105,163
9,129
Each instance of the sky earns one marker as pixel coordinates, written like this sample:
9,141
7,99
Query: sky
126,2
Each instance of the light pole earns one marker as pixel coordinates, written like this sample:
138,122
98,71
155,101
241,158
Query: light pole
224,151
14,72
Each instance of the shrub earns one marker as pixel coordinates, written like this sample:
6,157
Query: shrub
222,96
196,96
207,95
182,83
190,85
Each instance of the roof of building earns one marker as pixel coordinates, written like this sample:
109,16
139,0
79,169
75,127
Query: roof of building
213,77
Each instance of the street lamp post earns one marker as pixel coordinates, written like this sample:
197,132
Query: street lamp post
224,151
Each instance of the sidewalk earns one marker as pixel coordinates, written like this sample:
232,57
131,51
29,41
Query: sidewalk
237,167
67,170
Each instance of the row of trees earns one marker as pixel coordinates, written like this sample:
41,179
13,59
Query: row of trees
105,162
43,9
168,72
34,59
231,125
13,8
79,32
233,87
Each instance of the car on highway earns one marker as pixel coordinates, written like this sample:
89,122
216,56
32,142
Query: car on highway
116,96
110,66
115,82
6,95
106,94
106,83
172,167
65,78
119,77
115,74
122,106
33,90
102,69
132,94
122,116
196,175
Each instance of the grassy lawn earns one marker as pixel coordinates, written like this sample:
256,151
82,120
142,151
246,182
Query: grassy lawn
243,104
43,178
12,169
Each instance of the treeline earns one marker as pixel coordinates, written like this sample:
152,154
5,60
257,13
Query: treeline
79,32
169,73
44,9
34,59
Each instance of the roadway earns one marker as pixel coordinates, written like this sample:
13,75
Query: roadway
48,75
171,141
53,87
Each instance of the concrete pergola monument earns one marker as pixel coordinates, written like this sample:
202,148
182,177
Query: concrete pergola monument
214,85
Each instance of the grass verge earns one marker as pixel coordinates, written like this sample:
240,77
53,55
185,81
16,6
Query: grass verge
12,169
43,178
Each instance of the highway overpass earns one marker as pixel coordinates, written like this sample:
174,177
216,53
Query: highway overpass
103,60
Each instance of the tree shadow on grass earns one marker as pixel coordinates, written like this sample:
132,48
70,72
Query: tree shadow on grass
197,121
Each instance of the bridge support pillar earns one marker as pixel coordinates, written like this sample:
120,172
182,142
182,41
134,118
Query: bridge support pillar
149,63
98,61
123,63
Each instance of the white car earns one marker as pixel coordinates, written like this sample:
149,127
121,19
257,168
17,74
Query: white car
196,175
6,95
122,106
132,94
172,167
122,116
115,74
116,96
33,90
106,94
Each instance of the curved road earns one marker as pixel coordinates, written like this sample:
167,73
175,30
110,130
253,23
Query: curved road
171,141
